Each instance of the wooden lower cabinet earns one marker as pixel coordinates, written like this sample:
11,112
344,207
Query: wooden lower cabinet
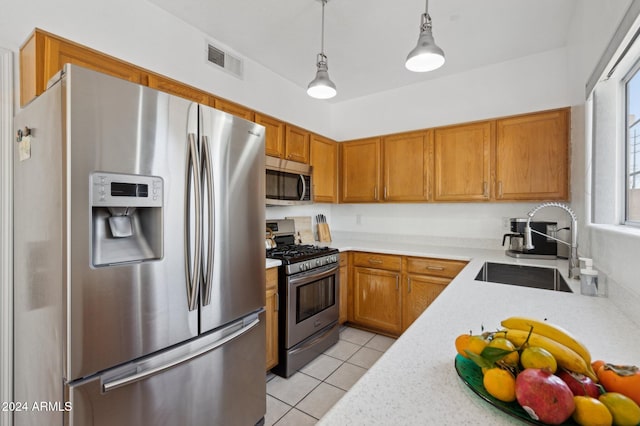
377,301
387,293
344,286
420,291
271,308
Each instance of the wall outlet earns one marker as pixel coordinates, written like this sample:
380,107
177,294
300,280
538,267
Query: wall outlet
506,223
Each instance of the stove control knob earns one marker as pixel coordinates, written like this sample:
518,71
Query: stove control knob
318,262
302,267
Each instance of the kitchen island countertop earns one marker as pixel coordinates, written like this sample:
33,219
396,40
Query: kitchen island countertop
415,382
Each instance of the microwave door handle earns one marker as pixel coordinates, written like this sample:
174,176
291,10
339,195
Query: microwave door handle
304,187
193,171
208,177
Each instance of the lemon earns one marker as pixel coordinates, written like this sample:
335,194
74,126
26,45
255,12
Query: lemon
500,384
502,343
591,412
537,357
624,410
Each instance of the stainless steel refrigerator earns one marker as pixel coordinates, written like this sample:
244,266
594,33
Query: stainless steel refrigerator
139,276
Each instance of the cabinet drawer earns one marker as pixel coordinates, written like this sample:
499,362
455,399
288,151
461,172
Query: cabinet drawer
379,261
435,267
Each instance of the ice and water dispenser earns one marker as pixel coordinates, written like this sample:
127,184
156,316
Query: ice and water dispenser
126,216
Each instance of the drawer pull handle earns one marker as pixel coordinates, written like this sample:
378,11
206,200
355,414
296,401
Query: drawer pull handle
435,268
375,261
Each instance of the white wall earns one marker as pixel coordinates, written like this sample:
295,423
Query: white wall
145,35
532,83
527,84
614,250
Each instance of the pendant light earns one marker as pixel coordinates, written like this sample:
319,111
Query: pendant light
322,87
426,56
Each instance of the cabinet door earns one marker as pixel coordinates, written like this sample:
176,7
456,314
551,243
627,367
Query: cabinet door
377,300
296,144
406,167
360,171
271,320
344,285
59,52
462,162
532,156
233,108
274,135
173,87
324,160
420,291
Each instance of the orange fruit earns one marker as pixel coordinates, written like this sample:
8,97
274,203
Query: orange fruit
462,343
597,364
500,384
537,357
591,412
502,343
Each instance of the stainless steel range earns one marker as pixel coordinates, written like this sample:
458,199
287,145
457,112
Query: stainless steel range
309,287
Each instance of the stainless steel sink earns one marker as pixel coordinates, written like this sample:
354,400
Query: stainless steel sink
525,276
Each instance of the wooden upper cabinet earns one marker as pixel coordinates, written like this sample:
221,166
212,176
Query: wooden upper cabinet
462,165
406,170
44,54
324,163
274,134
532,156
360,171
296,144
173,87
233,108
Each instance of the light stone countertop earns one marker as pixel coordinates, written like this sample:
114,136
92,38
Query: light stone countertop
272,263
415,382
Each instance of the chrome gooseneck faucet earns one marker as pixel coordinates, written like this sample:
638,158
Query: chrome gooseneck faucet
574,268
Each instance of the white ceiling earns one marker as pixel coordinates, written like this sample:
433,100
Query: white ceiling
367,41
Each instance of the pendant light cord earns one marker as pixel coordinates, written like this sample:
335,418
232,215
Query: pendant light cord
322,31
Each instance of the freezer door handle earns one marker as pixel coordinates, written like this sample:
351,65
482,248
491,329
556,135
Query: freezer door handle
145,373
193,278
208,177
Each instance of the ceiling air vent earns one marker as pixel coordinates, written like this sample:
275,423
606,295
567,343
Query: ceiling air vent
224,60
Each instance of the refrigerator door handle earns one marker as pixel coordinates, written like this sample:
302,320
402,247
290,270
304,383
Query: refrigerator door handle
146,373
208,176
193,168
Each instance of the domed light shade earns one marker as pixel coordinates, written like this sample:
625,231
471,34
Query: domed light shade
322,87
426,56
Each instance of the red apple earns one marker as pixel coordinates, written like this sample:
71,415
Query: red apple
544,396
579,384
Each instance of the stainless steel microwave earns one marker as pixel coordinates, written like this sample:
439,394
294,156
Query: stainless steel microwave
287,182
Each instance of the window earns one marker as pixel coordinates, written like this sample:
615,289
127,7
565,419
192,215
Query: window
632,170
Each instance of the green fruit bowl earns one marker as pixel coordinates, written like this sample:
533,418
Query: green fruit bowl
471,375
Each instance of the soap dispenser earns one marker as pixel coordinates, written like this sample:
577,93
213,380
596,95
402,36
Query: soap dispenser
588,278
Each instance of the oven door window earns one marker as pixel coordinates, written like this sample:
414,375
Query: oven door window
315,297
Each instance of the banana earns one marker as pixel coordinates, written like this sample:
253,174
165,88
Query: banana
565,357
551,331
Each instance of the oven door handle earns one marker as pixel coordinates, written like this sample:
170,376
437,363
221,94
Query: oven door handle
315,341
314,274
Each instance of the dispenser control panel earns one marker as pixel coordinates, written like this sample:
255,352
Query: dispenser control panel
123,190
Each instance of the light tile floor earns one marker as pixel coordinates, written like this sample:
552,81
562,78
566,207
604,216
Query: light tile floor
304,397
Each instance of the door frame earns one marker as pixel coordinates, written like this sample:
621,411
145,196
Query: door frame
6,231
